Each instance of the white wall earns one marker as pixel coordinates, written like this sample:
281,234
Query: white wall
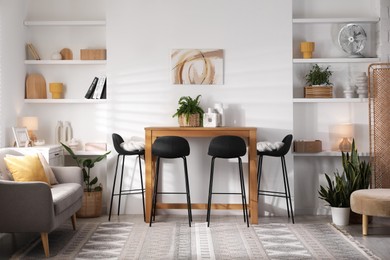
257,89
11,65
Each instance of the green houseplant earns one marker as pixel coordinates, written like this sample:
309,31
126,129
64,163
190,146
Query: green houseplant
318,76
92,199
189,112
318,84
356,175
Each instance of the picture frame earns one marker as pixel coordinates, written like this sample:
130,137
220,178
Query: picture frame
21,136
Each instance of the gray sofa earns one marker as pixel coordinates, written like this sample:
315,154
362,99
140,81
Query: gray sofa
34,206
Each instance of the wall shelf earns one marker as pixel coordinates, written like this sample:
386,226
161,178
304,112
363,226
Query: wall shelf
336,60
330,100
65,62
65,23
327,154
65,101
337,20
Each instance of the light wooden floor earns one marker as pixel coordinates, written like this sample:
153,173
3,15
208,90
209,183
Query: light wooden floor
378,239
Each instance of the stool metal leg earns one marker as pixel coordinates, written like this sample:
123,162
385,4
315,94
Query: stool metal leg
113,187
142,186
154,199
120,189
244,206
285,188
210,191
288,187
187,191
259,169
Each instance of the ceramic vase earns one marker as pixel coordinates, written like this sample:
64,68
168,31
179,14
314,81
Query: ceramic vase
361,85
340,216
56,90
307,49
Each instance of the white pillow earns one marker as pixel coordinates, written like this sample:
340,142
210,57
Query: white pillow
268,146
134,144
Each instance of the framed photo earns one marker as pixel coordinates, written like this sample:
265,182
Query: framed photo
21,136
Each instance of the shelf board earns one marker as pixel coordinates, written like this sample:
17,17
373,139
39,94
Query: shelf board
337,20
337,60
327,154
65,23
330,100
65,101
65,62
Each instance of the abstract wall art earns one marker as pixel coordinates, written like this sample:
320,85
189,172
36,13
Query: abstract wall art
197,66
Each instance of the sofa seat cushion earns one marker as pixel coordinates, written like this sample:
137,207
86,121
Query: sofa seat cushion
371,202
65,195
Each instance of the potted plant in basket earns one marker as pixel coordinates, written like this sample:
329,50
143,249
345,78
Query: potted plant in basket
189,112
318,84
92,199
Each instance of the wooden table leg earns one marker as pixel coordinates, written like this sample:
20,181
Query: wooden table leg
252,168
148,174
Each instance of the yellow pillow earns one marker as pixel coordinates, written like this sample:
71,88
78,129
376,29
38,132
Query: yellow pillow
26,168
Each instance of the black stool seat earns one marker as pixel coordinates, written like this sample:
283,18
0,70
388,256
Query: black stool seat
277,153
117,140
170,147
227,147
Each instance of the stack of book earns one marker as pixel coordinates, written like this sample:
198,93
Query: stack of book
97,90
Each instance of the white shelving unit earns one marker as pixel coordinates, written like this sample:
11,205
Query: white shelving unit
49,36
320,118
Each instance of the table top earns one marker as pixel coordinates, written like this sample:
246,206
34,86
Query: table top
222,128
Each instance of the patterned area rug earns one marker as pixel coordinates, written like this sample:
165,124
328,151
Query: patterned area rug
123,240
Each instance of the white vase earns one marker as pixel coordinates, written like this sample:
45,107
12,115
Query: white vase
340,216
58,132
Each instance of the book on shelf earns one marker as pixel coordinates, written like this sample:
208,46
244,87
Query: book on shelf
91,89
32,51
99,87
104,92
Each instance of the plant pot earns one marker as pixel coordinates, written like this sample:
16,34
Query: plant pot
318,92
340,216
193,120
91,206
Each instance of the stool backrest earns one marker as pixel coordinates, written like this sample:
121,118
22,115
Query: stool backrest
287,144
117,140
227,146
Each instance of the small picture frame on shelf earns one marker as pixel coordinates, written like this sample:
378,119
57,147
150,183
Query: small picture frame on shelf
21,136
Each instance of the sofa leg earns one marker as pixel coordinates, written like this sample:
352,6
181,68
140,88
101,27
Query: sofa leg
74,221
364,225
45,243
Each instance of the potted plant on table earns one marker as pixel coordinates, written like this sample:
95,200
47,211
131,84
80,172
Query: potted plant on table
92,199
189,112
318,84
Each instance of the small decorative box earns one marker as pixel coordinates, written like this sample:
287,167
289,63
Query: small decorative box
302,146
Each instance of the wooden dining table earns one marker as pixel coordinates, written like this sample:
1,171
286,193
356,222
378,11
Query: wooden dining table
248,133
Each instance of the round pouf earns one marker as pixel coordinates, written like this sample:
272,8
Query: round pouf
371,202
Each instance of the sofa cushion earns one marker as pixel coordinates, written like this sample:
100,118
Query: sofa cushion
48,171
64,195
26,168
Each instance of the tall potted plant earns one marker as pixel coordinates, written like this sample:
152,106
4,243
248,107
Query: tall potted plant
92,199
337,195
318,83
189,112
356,175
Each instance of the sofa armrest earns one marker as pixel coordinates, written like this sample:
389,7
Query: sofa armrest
69,174
26,207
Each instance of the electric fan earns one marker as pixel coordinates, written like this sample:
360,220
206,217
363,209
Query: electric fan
352,39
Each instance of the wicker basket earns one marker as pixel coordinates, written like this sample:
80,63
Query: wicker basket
91,205
193,120
318,92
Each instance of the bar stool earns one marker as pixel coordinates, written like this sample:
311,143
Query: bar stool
227,147
117,140
170,147
277,153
